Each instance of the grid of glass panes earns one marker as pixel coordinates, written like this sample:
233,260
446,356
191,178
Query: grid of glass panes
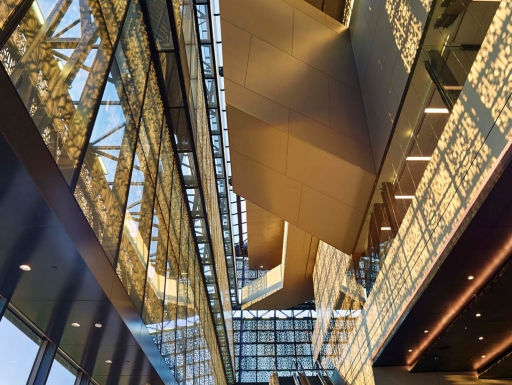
20,347
217,126
273,340
85,74
194,146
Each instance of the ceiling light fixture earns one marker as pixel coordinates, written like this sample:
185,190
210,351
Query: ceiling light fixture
25,267
404,196
75,324
470,277
419,158
480,338
426,331
410,350
478,314
434,110
454,88
385,228
484,356
108,361
98,325
261,267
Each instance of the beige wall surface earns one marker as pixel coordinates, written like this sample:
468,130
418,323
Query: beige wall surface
385,36
299,142
472,150
296,286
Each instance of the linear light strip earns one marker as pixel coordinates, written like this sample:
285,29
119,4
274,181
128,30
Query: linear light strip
434,110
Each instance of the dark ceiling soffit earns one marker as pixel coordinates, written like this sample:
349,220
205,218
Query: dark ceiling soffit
23,137
476,297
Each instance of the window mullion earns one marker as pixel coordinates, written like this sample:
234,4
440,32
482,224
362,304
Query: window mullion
43,363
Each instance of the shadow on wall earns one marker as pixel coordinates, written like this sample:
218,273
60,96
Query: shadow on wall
406,28
473,147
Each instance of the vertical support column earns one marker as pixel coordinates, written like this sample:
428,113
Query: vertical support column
240,355
275,339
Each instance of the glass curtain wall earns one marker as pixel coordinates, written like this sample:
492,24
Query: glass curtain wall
21,348
18,350
84,70
187,102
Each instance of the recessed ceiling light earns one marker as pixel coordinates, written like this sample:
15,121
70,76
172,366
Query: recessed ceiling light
75,324
478,314
385,228
404,196
261,267
108,361
426,331
434,110
98,325
410,350
470,277
418,158
484,356
454,87
25,267
480,338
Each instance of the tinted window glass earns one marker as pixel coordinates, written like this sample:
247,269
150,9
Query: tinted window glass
18,350
61,373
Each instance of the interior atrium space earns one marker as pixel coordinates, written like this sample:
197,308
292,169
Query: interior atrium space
243,192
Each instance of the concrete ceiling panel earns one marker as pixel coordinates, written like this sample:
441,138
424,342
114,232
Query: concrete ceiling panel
286,297
235,51
324,49
308,9
347,111
297,264
269,20
266,187
265,232
288,81
337,222
333,24
330,175
256,105
297,121
257,140
332,141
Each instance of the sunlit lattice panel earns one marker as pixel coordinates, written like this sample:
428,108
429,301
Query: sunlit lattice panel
273,341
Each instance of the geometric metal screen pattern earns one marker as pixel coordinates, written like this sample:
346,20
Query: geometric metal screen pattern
273,340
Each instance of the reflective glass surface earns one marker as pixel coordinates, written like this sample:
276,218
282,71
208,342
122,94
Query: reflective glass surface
56,59
62,372
18,350
83,70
